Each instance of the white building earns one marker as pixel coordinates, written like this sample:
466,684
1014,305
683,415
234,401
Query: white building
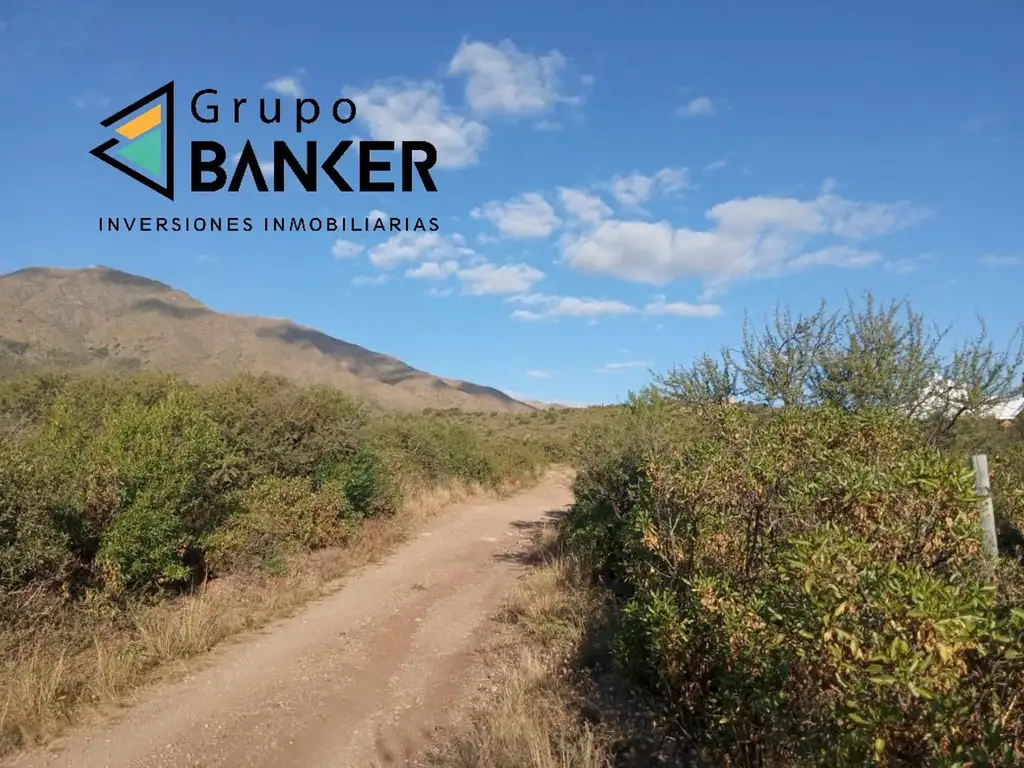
1007,410
948,393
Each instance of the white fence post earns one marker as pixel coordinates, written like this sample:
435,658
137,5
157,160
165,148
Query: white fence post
983,489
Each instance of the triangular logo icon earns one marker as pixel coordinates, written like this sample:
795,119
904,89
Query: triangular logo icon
144,148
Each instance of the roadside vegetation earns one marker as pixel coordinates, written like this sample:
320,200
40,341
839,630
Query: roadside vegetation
533,719
144,519
779,551
773,558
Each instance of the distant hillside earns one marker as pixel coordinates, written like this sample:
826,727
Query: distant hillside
542,406
88,317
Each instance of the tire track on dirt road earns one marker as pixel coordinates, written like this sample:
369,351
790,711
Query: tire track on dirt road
361,673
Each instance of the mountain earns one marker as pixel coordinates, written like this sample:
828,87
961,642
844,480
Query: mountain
99,316
542,406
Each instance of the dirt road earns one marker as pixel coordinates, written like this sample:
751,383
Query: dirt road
357,676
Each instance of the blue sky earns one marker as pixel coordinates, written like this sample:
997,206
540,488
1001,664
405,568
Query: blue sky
618,187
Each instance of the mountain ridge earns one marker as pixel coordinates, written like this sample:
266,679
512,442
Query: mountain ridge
100,316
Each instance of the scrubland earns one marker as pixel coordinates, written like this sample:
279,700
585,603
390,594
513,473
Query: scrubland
774,559
144,519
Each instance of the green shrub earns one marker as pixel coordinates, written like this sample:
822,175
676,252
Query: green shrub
34,544
137,483
808,587
801,579
436,450
155,464
367,479
277,517
869,355
278,429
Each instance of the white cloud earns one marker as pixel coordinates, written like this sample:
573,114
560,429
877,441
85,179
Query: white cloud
719,163
854,221
286,86
755,214
583,206
346,249
502,79
900,266
904,266
681,309
489,279
749,237
1003,261
538,374
408,246
417,112
443,257
637,188
545,306
377,214
702,106
370,280
89,99
836,256
526,315
623,366
440,293
434,270
529,215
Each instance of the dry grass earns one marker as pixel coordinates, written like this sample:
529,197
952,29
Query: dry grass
74,661
533,720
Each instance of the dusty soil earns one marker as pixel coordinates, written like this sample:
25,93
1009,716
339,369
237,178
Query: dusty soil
358,678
